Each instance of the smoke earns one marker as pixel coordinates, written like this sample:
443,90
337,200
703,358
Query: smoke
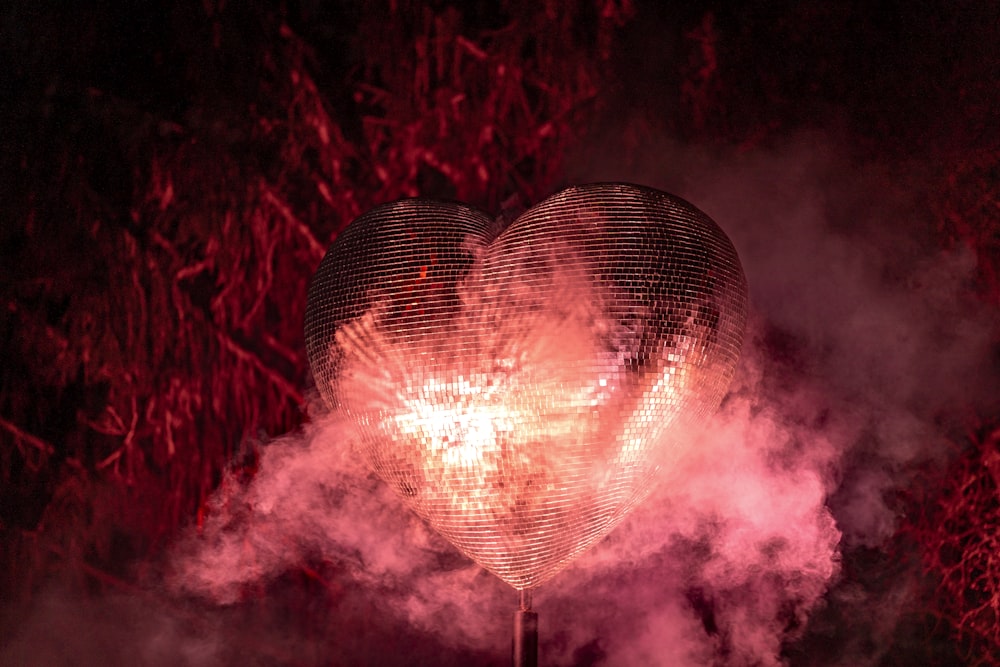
862,348
870,352
727,559
132,628
734,551
885,333
735,548
313,501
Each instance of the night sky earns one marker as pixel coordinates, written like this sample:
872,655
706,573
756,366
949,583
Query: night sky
173,490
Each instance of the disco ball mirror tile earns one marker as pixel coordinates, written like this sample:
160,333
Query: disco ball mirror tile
519,388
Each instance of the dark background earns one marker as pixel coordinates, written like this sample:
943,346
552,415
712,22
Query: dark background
171,174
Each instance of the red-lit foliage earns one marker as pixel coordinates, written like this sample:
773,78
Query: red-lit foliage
957,526
161,217
956,517
157,277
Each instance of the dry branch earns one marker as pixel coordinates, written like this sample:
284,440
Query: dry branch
26,437
281,382
176,332
958,530
316,249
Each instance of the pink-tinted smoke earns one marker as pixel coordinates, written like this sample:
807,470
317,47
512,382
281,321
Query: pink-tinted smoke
860,350
858,344
742,522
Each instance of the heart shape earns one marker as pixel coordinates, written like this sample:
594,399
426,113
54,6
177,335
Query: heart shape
520,388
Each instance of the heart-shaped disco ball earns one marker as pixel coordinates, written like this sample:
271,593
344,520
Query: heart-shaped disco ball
520,390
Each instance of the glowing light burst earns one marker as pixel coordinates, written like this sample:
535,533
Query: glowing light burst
519,391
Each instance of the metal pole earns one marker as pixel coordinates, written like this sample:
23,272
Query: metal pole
524,650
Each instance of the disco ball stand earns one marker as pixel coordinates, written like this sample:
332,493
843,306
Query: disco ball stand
520,386
524,647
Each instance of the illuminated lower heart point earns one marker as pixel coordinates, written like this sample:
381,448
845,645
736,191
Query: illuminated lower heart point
521,392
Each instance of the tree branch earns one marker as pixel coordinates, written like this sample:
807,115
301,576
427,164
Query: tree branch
29,438
251,358
315,247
